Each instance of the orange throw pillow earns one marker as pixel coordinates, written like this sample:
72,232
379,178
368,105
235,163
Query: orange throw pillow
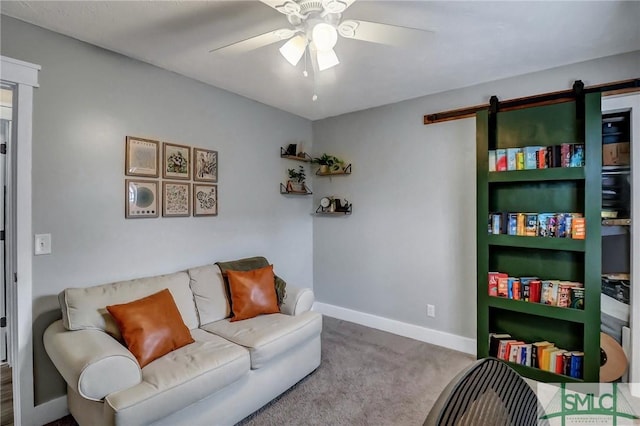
151,326
252,293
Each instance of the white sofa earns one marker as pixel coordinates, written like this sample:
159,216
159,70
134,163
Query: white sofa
231,370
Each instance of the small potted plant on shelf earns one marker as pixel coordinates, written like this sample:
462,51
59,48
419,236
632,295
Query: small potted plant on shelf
296,180
328,163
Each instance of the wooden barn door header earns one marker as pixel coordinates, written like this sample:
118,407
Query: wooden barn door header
544,99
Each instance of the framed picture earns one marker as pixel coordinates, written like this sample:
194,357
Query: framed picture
176,161
141,199
205,200
205,165
141,157
175,199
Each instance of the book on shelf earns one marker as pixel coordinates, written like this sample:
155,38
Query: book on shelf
577,155
493,282
502,347
512,224
531,224
553,157
530,157
536,352
520,225
503,286
576,364
511,158
545,358
544,224
577,298
535,291
566,363
492,160
555,366
524,357
578,228
520,160
565,151
501,160
513,288
525,287
494,342
508,351
542,158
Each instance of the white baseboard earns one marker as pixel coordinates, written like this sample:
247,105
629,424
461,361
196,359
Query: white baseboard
49,411
428,335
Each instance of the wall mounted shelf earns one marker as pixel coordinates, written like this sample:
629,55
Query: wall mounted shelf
345,210
303,156
345,171
285,191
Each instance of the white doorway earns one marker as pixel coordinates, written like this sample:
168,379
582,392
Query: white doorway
6,120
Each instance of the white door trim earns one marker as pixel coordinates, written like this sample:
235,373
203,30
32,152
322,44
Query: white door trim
25,75
624,102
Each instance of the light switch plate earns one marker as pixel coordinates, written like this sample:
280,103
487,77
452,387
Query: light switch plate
42,244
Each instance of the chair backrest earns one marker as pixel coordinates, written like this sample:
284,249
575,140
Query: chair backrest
489,392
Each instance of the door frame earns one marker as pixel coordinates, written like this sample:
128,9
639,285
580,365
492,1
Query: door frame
625,102
18,237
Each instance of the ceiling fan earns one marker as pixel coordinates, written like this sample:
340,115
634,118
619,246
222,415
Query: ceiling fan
316,25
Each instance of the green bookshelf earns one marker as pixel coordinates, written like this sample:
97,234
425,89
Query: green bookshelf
544,190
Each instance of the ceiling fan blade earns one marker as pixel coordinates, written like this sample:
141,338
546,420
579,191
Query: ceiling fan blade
376,32
336,6
256,42
286,7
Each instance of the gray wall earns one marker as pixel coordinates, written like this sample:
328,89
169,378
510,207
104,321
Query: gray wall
411,240
88,101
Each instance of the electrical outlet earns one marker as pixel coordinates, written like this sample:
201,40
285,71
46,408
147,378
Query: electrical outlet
42,244
431,311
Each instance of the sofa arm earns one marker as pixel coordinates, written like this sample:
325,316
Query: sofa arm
93,363
297,300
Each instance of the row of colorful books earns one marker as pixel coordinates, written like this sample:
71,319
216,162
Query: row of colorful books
536,157
559,225
543,355
565,294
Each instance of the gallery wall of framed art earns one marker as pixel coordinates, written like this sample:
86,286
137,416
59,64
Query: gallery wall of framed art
169,178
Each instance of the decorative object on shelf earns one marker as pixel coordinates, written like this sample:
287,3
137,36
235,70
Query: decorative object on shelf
176,161
205,165
141,199
300,156
205,199
296,180
328,164
292,149
175,199
141,157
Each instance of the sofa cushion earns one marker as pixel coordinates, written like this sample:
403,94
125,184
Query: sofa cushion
268,336
181,378
86,308
151,326
252,293
209,293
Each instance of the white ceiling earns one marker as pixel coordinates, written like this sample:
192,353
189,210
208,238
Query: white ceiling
472,42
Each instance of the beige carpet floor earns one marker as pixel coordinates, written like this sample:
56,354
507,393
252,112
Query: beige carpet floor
367,377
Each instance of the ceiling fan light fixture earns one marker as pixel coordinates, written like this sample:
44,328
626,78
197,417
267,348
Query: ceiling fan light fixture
293,49
324,36
326,59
